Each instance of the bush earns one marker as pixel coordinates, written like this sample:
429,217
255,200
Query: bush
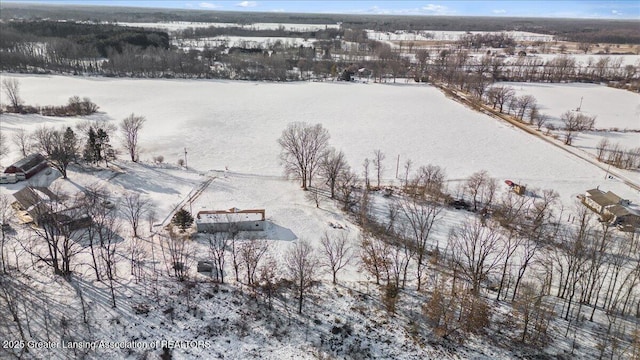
75,107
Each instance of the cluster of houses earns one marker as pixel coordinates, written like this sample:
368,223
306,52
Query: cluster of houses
612,209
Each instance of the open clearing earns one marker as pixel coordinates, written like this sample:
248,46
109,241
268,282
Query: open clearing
236,125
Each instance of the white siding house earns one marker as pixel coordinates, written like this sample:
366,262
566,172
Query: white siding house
212,221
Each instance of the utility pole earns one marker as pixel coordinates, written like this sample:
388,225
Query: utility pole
185,158
580,107
397,165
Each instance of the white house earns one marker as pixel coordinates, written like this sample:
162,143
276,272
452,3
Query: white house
211,221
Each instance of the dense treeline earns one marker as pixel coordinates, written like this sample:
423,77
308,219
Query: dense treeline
113,51
591,30
87,39
195,33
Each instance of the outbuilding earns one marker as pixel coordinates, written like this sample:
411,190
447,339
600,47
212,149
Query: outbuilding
27,166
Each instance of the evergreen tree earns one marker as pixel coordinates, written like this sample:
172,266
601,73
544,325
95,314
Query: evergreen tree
103,149
90,147
70,145
182,219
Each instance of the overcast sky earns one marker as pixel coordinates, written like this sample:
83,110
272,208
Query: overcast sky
617,9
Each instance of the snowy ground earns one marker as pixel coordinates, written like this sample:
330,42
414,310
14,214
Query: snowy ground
452,35
181,25
617,111
247,42
582,60
221,129
407,120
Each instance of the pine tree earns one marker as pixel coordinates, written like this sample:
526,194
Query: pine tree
70,145
103,149
90,147
182,219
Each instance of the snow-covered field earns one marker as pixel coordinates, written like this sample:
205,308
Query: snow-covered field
583,60
220,127
181,25
451,35
247,42
617,111
229,131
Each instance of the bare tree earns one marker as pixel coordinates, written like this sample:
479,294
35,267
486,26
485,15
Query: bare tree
11,87
346,185
130,128
5,214
4,149
573,122
333,164
365,172
93,201
22,140
60,146
337,253
373,256
134,208
267,279
218,246
109,240
524,103
540,121
602,148
510,213
303,146
429,180
302,266
11,296
407,169
475,251
57,231
251,252
498,96
420,219
236,261
482,189
378,157
176,250
534,313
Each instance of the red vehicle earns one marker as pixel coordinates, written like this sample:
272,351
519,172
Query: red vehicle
509,182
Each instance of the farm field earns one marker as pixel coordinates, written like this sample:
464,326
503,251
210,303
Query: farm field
220,128
617,112
229,131
415,238
181,25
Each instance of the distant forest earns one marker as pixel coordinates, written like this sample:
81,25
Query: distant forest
579,30
36,41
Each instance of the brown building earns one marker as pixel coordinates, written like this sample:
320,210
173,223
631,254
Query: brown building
28,166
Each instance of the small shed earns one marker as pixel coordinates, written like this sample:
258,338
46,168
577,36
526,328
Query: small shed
212,221
28,166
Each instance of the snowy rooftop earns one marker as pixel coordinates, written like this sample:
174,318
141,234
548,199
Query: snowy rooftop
230,215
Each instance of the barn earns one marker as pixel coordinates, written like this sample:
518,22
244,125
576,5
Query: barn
28,166
212,221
